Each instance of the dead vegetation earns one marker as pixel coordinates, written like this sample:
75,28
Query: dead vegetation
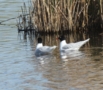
67,15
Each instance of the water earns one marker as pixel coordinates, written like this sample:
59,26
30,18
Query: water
21,70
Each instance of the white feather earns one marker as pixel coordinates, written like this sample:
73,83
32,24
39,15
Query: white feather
72,46
43,50
68,48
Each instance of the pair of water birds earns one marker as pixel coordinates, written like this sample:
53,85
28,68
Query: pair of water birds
64,47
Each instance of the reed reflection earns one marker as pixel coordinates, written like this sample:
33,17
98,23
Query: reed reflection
82,70
50,40
79,71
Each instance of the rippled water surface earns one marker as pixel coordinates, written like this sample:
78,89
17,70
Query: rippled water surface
21,70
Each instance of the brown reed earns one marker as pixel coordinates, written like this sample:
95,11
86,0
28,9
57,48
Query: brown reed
62,15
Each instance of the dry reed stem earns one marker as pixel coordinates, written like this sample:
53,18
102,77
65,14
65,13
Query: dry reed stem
61,14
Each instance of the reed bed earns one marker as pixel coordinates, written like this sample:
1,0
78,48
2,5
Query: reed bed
67,15
24,20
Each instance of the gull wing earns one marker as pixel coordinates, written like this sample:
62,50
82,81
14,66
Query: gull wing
75,46
47,49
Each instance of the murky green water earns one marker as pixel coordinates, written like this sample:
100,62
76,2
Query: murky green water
21,70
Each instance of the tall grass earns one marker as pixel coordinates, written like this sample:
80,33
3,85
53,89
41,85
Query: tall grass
62,15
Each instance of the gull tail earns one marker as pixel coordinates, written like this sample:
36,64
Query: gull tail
53,47
81,43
